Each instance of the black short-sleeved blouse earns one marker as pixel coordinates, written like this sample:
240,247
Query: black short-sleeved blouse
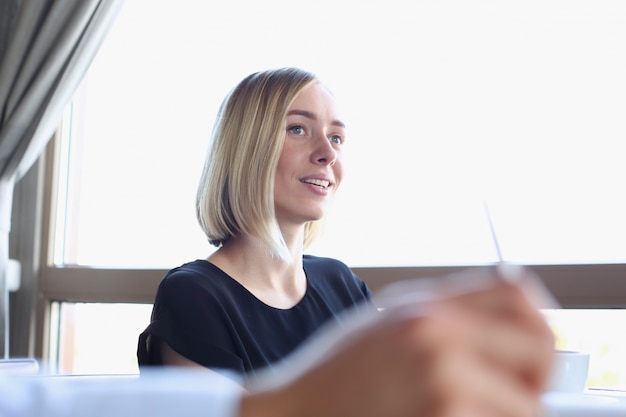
208,317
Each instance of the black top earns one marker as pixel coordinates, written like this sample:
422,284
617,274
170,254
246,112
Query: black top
208,317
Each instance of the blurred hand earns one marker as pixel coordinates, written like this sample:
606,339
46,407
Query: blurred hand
484,351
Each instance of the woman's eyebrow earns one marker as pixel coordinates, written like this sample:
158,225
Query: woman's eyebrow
313,116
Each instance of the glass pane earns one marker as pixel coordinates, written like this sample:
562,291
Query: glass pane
597,332
98,338
449,104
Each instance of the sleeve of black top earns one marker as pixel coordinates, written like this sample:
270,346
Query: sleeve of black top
187,318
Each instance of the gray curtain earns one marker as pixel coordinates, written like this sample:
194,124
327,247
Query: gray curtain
45,48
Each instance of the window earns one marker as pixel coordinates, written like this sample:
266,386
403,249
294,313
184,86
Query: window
593,332
449,105
96,338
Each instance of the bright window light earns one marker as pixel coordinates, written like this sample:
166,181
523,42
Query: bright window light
96,338
448,104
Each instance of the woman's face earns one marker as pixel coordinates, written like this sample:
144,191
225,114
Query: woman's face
309,168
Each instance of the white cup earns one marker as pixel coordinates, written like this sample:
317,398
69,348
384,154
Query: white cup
569,371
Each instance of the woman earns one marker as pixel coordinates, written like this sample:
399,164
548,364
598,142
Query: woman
274,165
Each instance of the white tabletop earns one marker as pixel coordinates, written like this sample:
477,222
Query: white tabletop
591,403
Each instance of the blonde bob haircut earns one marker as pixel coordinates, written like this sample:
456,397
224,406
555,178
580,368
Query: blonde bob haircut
236,190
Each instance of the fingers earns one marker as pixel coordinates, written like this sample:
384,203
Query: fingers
486,352
477,390
458,374
495,318
469,364
504,325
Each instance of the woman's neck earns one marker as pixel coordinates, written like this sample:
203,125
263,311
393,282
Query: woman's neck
273,280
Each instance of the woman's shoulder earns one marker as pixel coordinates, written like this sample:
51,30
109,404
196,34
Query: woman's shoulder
193,276
190,270
335,279
323,262
318,267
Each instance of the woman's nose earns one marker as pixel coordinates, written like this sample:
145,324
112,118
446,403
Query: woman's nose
324,152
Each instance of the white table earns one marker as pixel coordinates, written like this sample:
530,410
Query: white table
591,403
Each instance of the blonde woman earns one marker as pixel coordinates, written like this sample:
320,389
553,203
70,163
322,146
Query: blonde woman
274,165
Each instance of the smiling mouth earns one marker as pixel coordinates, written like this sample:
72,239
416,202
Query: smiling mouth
320,183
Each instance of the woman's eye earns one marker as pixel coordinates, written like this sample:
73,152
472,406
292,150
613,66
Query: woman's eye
298,130
336,139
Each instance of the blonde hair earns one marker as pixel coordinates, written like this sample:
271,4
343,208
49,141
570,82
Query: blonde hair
236,190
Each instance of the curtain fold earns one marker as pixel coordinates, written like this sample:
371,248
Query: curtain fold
45,48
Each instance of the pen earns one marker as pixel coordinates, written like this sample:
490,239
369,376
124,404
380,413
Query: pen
507,271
